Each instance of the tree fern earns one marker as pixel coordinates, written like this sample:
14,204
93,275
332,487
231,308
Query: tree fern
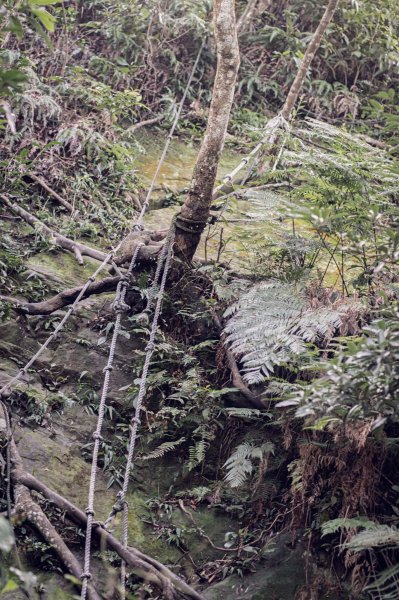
271,324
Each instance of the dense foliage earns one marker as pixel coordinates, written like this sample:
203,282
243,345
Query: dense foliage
305,275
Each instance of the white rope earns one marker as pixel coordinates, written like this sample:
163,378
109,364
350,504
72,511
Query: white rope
119,299
170,136
271,129
135,421
120,307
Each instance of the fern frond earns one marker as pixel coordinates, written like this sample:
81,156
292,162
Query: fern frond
163,449
239,465
272,323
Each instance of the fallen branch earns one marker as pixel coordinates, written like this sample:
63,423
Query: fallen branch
76,248
143,566
47,307
141,124
32,513
234,370
53,193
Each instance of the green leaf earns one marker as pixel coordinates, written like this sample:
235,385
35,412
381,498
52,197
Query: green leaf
46,19
10,586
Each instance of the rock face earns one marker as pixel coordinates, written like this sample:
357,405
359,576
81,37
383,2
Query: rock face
278,577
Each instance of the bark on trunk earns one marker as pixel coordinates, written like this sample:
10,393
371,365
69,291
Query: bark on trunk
309,55
195,211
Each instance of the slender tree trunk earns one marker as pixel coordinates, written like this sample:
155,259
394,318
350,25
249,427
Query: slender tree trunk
253,9
309,55
247,15
195,211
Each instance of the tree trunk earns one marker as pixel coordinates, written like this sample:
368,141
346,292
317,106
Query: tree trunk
309,55
253,9
195,212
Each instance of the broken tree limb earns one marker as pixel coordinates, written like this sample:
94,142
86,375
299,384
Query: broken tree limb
144,123
143,566
39,180
236,378
64,298
31,512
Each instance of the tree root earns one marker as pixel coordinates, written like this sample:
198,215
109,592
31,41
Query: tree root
47,307
145,567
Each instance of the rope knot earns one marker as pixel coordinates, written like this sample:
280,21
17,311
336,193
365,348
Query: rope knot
108,368
138,227
150,346
135,420
89,512
86,576
120,307
97,436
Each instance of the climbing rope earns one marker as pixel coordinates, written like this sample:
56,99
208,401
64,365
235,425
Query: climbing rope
119,307
271,128
165,256
170,136
135,421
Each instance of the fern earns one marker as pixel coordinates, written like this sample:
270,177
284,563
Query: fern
380,536
163,449
335,525
272,323
240,464
197,454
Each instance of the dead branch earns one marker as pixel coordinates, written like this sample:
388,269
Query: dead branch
76,248
53,193
143,566
145,123
31,512
234,370
64,298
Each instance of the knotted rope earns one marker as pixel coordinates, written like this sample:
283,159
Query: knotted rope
165,256
119,307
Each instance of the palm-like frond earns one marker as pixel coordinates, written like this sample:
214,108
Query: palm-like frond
272,323
240,464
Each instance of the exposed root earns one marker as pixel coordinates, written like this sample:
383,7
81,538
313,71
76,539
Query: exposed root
145,567
53,193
